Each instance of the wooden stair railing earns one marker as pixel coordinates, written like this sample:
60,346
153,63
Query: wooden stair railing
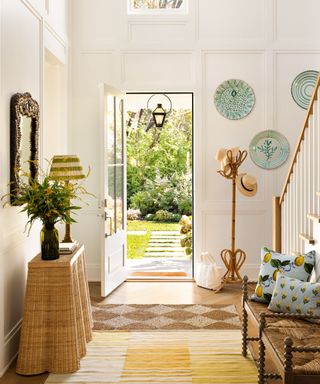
278,202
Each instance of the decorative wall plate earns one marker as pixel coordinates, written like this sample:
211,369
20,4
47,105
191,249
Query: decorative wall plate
302,87
234,99
269,149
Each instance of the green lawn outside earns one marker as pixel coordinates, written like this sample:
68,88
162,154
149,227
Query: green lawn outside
137,244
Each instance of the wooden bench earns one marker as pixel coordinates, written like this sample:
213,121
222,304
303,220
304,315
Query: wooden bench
291,342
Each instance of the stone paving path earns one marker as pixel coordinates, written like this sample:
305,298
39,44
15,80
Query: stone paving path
164,253
165,244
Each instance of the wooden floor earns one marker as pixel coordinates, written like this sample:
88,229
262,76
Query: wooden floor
146,293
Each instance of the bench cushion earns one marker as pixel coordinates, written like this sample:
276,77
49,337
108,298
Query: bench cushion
303,333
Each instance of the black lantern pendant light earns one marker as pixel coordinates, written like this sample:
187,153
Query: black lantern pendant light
159,114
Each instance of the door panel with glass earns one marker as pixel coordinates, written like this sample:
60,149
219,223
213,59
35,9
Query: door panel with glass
113,271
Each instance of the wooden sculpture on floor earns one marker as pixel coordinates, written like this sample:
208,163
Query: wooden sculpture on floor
230,161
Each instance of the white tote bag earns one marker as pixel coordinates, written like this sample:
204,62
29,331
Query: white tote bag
208,275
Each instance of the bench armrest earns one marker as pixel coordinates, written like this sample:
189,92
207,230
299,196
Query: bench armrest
281,315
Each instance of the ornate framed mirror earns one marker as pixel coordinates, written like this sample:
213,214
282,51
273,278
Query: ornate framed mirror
24,137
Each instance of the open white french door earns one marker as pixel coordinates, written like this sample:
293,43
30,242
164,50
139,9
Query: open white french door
113,185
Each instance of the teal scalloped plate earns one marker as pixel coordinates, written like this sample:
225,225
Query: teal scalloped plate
302,87
234,99
269,149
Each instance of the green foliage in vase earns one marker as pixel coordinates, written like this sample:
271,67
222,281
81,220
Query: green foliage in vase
47,199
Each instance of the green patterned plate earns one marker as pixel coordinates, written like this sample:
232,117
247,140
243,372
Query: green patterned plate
302,87
234,99
269,149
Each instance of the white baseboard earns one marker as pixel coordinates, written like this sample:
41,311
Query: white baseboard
93,271
10,347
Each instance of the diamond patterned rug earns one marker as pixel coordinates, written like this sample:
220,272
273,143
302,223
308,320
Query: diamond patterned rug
145,317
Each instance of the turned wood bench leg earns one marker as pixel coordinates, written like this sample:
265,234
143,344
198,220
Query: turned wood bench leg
244,317
262,352
244,332
288,373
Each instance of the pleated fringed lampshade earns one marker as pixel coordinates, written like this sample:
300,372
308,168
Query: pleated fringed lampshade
66,168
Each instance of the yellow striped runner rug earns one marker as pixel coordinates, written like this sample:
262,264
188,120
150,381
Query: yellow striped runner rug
196,356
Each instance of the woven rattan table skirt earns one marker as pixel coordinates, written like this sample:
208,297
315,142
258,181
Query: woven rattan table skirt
57,320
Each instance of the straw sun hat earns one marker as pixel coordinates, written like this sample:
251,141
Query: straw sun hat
221,156
246,184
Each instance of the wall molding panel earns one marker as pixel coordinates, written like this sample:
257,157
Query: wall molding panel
185,57
22,70
221,41
155,29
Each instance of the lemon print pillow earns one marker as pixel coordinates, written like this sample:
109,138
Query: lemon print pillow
272,263
294,296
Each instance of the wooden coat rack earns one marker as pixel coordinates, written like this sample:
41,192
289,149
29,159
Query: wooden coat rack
233,258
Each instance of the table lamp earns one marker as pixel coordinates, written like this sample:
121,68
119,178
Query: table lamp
66,168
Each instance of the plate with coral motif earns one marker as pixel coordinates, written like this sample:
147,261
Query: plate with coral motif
269,149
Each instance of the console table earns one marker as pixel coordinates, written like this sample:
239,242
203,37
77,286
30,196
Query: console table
57,320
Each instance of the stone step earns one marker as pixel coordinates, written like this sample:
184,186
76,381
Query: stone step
165,233
165,254
163,249
165,237
169,245
171,241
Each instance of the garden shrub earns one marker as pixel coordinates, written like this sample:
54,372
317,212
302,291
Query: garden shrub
186,230
150,217
163,215
168,194
133,214
185,206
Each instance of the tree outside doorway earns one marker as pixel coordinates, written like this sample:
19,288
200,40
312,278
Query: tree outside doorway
159,184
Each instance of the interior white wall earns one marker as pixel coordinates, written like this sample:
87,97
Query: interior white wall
26,30
266,43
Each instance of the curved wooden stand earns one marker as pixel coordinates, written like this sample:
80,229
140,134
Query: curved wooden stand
233,258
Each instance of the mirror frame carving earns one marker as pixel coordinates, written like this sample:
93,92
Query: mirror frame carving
22,104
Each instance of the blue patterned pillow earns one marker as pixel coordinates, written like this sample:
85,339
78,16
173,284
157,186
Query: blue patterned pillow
298,267
295,296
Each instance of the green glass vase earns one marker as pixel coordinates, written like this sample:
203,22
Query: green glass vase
49,238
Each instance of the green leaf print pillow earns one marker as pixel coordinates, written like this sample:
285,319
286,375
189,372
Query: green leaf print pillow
298,267
294,296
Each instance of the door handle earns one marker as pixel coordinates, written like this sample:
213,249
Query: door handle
104,215
106,218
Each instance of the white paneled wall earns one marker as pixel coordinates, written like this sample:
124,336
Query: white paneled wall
257,41
27,30
300,198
